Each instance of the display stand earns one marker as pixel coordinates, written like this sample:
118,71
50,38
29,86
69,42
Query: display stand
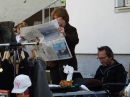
15,50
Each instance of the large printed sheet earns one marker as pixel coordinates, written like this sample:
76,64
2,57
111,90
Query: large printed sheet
52,46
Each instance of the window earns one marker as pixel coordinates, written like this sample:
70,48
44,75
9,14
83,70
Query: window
127,2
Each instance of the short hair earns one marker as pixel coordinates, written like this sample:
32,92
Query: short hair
21,25
108,50
60,12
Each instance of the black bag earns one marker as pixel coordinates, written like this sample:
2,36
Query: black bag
6,33
94,85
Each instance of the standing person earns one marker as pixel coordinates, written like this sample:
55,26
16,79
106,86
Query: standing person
20,39
71,36
18,26
110,71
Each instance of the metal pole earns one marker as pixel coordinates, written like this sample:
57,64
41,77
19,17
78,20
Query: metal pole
43,11
49,13
19,44
15,51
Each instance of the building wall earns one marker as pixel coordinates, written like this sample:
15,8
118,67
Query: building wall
95,18
98,24
88,64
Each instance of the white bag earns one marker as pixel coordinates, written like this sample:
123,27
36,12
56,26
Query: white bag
127,91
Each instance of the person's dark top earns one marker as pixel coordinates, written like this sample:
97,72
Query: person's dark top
6,76
112,74
71,39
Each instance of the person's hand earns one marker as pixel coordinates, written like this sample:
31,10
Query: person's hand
36,40
34,54
22,38
61,30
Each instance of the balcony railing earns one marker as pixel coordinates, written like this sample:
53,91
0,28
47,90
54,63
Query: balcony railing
56,3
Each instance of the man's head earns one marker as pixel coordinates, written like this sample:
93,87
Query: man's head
105,55
61,15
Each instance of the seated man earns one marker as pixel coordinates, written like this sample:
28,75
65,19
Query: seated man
110,71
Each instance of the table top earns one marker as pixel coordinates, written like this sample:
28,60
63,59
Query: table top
78,93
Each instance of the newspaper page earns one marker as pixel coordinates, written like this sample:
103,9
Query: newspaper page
48,31
52,44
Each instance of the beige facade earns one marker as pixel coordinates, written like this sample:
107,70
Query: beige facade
19,10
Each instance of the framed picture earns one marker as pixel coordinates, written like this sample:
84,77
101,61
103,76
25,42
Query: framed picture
127,2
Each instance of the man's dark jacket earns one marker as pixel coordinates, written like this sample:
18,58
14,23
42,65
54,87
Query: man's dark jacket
112,74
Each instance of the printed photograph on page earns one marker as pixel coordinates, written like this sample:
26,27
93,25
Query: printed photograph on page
61,50
49,30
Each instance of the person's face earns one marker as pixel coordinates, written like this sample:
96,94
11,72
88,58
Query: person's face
103,58
18,29
60,21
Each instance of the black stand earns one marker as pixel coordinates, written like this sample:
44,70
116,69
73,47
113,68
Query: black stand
16,51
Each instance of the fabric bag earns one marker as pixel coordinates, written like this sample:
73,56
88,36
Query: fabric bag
6,33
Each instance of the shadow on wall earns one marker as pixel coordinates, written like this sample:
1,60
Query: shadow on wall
37,17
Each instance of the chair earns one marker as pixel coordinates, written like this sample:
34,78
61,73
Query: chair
119,94
77,75
80,81
114,84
